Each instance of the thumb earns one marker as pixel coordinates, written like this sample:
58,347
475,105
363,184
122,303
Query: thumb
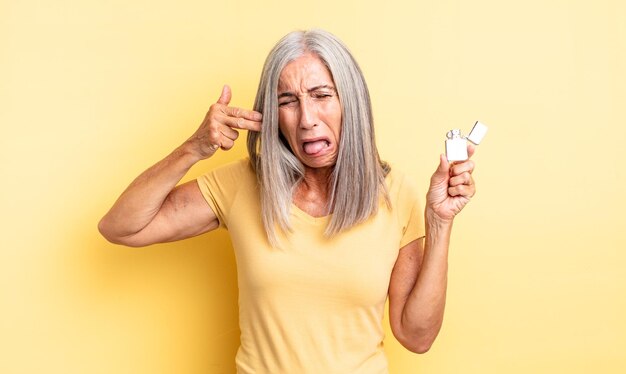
225,95
443,170
470,150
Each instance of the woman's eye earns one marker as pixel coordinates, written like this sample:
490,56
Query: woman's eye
286,103
321,96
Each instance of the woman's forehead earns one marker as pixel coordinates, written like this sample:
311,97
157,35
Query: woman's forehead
304,73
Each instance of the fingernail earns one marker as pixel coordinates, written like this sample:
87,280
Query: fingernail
258,116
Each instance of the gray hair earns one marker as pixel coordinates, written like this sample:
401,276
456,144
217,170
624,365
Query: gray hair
358,178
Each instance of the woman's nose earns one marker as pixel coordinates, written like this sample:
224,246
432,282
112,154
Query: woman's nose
308,113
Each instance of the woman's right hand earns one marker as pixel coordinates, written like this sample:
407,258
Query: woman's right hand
153,209
220,126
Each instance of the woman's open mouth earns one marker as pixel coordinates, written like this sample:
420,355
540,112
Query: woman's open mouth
315,146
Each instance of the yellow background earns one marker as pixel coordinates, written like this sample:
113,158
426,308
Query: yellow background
94,92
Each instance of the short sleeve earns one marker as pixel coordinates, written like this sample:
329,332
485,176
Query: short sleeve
221,186
405,200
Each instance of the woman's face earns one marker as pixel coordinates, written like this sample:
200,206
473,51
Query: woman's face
309,111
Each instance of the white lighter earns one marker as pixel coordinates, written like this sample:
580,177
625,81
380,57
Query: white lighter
456,144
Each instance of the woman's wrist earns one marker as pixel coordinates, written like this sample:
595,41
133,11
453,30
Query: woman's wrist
438,233
435,221
189,152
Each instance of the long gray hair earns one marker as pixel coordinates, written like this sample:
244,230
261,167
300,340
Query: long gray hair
358,179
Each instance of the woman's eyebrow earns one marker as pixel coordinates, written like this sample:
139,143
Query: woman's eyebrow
286,94
312,89
321,87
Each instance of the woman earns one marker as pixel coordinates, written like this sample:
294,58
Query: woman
323,230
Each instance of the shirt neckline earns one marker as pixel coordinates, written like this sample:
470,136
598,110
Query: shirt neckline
307,217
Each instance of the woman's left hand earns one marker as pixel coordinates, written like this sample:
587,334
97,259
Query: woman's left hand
451,187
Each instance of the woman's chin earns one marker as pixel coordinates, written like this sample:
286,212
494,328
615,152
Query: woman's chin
318,161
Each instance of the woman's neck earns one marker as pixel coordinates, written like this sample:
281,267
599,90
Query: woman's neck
313,193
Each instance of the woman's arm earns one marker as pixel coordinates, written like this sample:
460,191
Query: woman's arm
417,290
152,209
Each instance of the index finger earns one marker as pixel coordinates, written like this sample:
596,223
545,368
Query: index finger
243,113
241,123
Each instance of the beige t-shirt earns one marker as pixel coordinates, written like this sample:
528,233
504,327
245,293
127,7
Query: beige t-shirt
316,304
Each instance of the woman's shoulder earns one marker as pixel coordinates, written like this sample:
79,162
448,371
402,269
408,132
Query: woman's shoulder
233,173
242,166
399,184
395,176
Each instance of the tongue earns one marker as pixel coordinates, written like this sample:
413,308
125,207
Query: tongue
314,147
